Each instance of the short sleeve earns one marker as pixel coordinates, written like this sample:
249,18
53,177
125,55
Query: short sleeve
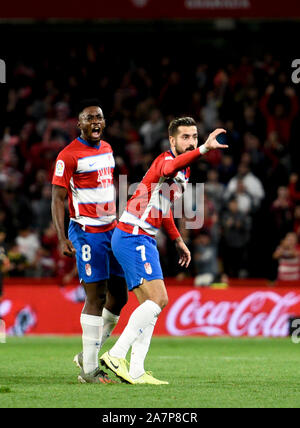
65,166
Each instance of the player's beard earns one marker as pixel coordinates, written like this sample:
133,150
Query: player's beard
181,151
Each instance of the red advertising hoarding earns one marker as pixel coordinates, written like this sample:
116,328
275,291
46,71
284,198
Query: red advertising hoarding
45,308
152,9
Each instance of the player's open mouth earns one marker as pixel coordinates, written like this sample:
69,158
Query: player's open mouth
96,131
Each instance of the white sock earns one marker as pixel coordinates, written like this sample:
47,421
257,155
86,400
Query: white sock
91,338
110,320
139,351
140,318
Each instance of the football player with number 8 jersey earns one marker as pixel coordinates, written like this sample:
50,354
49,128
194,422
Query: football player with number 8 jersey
84,174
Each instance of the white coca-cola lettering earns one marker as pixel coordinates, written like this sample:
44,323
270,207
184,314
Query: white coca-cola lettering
5,307
263,313
219,314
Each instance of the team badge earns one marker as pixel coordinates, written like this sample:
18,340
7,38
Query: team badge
148,268
88,269
59,169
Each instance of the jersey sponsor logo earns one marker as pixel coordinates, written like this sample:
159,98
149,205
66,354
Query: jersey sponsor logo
59,169
148,268
88,269
105,177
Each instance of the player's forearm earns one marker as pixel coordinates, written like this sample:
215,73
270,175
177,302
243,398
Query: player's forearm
182,161
58,217
170,227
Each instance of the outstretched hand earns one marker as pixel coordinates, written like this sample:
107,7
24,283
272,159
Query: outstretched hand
211,143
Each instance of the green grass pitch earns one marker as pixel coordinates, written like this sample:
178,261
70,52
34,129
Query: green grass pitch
38,372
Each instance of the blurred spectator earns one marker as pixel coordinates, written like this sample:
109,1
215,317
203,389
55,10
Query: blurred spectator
28,244
201,75
173,95
16,206
280,115
50,261
226,169
205,259
153,130
288,256
210,113
214,189
62,125
251,122
4,260
41,210
281,212
17,261
252,185
276,163
294,190
253,148
236,228
4,174
44,264
244,198
296,221
41,179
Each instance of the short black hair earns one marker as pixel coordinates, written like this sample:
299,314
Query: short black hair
181,121
88,102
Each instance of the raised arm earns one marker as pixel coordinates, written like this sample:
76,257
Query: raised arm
171,167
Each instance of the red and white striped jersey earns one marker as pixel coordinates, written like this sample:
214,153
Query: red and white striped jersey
87,173
289,268
150,206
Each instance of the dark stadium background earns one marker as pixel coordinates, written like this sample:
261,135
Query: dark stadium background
65,60
229,61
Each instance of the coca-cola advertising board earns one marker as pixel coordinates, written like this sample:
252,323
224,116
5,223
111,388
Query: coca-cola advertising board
46,308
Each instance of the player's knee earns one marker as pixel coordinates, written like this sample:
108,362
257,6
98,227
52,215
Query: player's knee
100,299
117,295
96,301
123,299
116,305
163,301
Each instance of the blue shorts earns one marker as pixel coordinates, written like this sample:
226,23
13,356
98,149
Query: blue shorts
138,256
94,256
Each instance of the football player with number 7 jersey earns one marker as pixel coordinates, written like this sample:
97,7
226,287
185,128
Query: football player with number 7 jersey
135,248
84,174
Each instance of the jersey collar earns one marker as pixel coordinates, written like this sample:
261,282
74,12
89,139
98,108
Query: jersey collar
89,144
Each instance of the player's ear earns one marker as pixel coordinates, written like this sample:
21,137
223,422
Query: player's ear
79,120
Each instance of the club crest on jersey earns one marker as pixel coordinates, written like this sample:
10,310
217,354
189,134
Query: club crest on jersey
59,169
88,269
148,268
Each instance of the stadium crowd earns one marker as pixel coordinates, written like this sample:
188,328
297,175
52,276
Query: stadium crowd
252,190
